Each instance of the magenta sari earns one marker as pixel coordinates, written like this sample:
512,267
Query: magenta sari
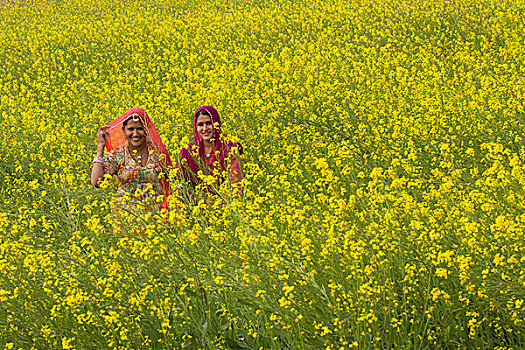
225,154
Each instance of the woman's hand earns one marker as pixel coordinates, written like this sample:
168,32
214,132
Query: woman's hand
102,136
98,167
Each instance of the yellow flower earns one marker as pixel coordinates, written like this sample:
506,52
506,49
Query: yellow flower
66,343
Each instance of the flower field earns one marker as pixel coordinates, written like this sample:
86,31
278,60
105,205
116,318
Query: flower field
383,203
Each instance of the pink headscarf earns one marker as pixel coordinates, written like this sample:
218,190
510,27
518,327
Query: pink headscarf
117,138
221,148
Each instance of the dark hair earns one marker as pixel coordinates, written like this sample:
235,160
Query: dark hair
203,112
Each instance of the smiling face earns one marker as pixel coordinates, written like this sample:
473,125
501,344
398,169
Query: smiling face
204,126
135,134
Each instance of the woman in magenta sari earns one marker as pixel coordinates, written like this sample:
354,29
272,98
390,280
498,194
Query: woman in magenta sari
136,157
210,153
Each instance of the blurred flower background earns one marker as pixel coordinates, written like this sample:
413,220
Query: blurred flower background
383,201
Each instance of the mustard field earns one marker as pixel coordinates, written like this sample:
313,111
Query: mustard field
383,202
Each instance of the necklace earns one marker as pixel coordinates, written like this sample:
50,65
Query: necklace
139,155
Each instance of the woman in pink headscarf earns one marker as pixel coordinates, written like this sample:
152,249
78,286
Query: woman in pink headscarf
136,157
210,152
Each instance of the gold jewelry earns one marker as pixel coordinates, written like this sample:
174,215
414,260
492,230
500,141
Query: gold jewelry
139,155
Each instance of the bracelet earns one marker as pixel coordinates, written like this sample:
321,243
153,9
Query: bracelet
98,160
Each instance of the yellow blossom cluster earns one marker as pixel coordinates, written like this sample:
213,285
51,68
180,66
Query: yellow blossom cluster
383,200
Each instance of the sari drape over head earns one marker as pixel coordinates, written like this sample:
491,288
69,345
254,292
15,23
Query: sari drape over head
117,139
223,157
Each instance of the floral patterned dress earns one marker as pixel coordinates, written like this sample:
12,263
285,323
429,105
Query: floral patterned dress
132,177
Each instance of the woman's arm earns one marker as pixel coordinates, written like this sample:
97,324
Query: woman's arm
235,171
98,163
236,174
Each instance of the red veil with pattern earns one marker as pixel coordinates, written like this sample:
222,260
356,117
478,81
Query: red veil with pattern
117,138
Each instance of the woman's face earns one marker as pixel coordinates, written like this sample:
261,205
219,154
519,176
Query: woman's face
135,133
204,127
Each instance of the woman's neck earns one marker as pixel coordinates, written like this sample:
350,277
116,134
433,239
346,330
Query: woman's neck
208,146
137,150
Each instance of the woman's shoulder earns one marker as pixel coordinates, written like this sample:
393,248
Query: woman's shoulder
188,150
116,154
121,151
235,146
